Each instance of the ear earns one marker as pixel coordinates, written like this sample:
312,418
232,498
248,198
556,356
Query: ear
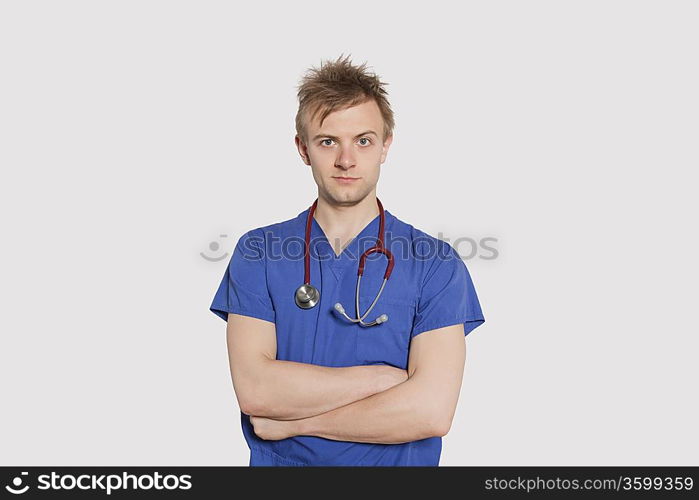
386,144
303,150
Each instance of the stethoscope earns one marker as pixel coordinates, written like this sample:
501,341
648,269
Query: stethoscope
307,296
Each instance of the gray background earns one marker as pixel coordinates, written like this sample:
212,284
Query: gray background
134,134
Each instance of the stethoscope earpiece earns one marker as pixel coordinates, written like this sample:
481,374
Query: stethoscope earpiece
307,296
381,319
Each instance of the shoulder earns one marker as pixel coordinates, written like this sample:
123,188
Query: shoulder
424,247
260,239
276,228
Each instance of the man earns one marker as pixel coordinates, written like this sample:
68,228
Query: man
315,388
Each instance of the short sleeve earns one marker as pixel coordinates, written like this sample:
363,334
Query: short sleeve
243,289
447,296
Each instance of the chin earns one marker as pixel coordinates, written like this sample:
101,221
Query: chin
350,196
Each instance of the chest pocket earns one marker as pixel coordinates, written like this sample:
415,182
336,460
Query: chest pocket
388,342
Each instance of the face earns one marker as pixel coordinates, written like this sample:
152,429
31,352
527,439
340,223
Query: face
346,153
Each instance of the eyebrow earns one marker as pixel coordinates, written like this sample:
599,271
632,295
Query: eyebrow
327,136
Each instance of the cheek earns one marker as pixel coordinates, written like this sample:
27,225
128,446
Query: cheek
321,165
322,161
373,172
322,154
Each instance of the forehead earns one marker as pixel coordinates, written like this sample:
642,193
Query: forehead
366,114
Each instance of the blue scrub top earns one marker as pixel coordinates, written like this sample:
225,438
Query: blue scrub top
430,288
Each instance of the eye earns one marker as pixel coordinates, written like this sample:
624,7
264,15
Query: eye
365,139
322,142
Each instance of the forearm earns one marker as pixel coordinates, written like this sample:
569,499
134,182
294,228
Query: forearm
289,390
423,406
405,412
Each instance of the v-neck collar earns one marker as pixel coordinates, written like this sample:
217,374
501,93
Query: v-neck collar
367,237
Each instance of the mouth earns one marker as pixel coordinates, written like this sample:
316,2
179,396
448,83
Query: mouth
346,180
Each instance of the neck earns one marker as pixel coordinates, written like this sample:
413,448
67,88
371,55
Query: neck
345,217
342,223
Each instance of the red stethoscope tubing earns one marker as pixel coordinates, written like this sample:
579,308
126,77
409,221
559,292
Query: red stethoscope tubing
379,247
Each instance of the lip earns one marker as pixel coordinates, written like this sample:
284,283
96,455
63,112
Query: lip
346,180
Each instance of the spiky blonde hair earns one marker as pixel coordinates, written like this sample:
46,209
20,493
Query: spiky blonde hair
338,85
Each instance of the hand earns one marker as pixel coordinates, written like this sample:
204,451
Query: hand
389,376
272,430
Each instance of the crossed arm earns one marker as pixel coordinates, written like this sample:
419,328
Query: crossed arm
372,404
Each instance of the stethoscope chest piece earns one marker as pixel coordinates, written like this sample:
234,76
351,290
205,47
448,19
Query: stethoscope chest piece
306,296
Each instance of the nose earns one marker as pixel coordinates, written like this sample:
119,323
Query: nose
345,159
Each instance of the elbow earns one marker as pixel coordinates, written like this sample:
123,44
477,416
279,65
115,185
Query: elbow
440,427
251,390
438,423
251,401
250,405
